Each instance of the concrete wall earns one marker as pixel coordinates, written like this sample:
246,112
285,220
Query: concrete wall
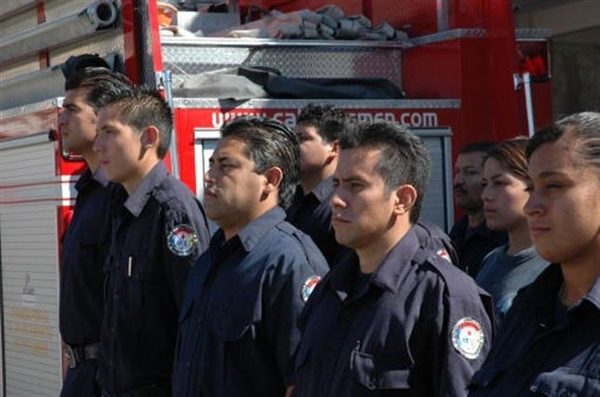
575,50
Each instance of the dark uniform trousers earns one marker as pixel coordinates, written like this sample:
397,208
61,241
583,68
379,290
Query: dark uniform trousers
417,327
544,348
84,249
158,233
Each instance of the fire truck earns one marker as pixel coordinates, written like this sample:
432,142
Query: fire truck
463,70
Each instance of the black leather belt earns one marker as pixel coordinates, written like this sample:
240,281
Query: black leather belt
76,354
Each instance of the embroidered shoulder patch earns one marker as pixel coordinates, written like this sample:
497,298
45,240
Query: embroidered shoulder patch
181,240
468,337
309,286
442,253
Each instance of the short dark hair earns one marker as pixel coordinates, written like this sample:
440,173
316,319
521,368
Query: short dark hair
141,108
474,147
327,120
403,158
101,83
511,154
583,132
269,143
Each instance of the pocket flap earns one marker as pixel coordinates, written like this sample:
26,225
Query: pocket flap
229,327
561,382
394,379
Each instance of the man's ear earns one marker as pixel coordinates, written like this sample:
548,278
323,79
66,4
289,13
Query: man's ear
150,137
334,151
274,176
405,197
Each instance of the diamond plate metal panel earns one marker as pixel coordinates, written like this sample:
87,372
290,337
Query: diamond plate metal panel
300,103
533,34
301,61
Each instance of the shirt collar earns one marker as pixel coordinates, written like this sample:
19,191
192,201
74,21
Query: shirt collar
396,262
254,231
88,178
593,296
137,200
548,285
324,190
100,177
389,273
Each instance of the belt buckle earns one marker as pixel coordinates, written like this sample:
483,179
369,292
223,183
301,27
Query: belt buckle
71,357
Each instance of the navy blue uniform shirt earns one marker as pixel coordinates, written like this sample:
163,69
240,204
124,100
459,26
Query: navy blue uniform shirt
417,327
238,329
311,213
84,249
473,244
544,348
433,238
158,232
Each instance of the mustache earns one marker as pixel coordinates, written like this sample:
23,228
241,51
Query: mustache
459,189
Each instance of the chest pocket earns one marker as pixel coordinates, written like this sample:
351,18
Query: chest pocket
90,237
566,382
147,267
228,330
366,374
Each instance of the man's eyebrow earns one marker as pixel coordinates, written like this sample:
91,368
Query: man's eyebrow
547,174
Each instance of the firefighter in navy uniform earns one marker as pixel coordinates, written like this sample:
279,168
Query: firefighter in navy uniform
238,330
394,319
85,243
549,343
318,130
158,232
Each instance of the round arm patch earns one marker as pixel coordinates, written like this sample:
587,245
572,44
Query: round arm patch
468,337
181,240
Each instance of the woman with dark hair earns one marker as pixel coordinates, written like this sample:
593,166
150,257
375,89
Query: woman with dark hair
550,341
511,266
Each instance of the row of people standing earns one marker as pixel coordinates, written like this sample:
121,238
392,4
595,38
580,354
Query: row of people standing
391,315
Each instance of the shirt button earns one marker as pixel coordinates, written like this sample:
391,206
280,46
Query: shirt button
115,296
110,363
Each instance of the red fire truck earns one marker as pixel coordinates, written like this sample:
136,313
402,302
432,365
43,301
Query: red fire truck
463,71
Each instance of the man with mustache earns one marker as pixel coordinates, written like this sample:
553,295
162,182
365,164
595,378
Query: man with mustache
395,318
238,330
470,234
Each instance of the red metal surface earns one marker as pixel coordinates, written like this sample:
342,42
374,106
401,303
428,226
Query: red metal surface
44,57
129,36
467,13
190,119
155,37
